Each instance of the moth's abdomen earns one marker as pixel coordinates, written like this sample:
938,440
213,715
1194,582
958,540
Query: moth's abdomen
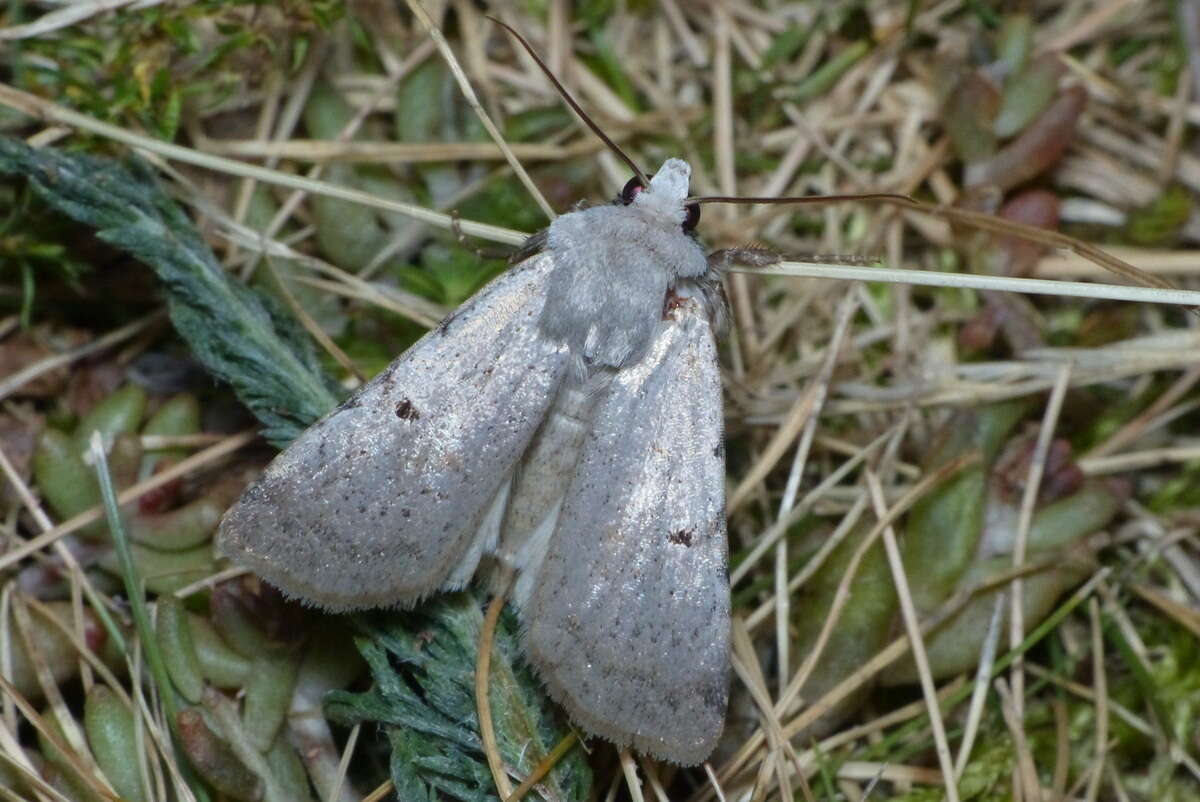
542,477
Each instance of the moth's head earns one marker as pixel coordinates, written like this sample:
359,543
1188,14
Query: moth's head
665,196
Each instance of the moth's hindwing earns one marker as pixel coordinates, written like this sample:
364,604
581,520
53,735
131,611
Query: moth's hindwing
377,503
629,616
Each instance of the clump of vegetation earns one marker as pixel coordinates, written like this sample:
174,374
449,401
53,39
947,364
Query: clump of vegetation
141,664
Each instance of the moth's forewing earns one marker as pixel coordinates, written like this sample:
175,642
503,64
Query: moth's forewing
628,622
379,502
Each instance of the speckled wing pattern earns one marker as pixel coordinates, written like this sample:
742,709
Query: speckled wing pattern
629,616
378,502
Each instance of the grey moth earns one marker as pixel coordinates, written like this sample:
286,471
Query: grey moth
566,422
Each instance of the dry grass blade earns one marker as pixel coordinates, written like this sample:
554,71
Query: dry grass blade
41,109
208,455
465,86
716,785
1145,422
1033,486
1100,679
344,762
983,673
81,583
780,527
802,411
916,642
48,732
747,669
1033,286
73,14
1025,775
315,330
19,379
1186,616
629,771
819,707
323,151
379,793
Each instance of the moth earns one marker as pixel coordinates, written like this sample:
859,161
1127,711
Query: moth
566,420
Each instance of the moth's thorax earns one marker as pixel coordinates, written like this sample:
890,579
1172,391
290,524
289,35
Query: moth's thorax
613,266
600,237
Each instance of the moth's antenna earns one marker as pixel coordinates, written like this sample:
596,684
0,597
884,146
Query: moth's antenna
979,220
562,90
813,199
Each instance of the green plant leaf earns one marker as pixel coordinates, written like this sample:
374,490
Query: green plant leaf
240,335
423,662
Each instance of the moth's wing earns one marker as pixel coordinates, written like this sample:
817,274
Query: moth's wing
379,501
628,621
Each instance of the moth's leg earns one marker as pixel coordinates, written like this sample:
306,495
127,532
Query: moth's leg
747,256
542,479
838,258
756,256
534,244
482,253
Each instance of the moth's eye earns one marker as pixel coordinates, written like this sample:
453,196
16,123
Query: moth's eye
693,216
632,188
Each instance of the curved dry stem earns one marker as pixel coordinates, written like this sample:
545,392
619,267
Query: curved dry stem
483,664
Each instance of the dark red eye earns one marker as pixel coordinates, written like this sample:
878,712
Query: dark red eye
693,216
631,189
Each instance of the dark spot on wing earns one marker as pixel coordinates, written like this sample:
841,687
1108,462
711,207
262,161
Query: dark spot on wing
719,450
406,411
682,537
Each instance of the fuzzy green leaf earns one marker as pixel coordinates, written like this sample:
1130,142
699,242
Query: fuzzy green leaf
240,335
423,662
